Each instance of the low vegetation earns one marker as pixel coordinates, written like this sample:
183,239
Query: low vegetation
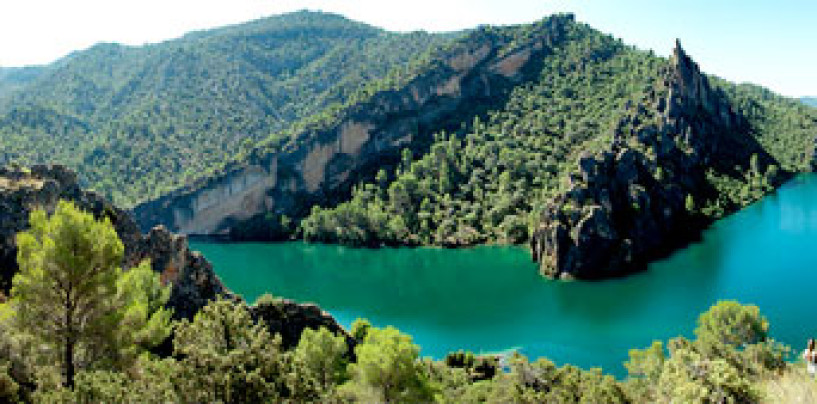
70,260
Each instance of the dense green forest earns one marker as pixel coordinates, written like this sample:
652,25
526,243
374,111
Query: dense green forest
490,181
77,328
138,122
485,183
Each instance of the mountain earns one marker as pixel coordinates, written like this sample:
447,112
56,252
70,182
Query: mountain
13,79
136,122
23,189
810,101
601,157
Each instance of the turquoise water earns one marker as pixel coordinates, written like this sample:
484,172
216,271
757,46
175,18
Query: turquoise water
490,299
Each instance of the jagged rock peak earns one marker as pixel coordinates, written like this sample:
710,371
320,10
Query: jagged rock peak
691,94
625,206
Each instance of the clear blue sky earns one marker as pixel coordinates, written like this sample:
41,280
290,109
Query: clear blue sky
766,42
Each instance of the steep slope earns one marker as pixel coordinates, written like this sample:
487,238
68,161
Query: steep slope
319,163
194,282
22,190
637,199
486,182
136,122
612,158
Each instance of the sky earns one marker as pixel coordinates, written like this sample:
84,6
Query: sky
767,42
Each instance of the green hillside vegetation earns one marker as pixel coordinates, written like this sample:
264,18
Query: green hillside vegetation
51,350
489,182
138,122
486,183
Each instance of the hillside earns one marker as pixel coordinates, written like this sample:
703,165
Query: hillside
588,159
600,156
136,122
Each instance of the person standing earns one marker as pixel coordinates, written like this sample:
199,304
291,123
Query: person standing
810,356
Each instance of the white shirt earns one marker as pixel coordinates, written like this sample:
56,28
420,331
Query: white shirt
811,363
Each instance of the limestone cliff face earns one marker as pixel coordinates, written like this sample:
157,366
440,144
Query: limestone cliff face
628,204
327,161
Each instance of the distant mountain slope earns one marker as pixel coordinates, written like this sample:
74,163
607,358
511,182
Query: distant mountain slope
137,122
811,101
14,78
318,162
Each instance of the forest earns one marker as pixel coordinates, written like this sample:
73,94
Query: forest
137,122
490,181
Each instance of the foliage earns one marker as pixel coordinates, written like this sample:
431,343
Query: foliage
227,357
72,305
65,292
318,364
725,363
387,369
145,322
136,122
360,329
223,356
688,376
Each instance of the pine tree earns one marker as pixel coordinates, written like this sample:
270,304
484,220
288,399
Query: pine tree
65,292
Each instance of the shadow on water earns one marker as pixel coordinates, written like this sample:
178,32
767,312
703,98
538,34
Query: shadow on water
492,298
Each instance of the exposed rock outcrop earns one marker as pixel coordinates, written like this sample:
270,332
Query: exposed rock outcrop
22,190
290,319
327,161
633,202
193,279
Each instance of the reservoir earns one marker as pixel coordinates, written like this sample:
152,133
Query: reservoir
489,299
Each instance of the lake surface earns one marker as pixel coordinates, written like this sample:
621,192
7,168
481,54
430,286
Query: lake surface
489,299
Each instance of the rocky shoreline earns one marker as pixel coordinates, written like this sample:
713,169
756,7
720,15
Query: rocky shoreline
636,201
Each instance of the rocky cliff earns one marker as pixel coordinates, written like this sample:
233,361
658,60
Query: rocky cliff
637,200
290,319
22,190
326,162
193,279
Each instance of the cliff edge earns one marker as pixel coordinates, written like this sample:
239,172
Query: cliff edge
194,282
324,163
640,198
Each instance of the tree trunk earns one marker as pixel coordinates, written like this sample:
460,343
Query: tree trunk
69,363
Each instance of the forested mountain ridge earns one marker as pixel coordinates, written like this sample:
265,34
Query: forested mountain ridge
317,163
311,125
512,175
136,122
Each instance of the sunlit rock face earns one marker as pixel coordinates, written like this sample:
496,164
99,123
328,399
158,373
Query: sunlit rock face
628,204
324,163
